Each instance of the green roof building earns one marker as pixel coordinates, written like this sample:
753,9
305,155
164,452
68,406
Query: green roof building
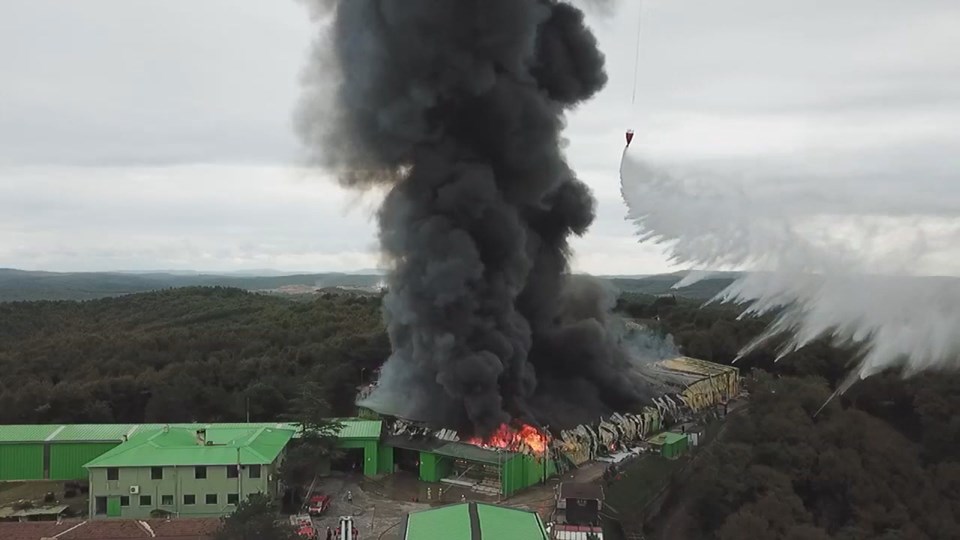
199,472
474,521
671,445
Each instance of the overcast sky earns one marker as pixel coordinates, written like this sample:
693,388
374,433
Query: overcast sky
156,134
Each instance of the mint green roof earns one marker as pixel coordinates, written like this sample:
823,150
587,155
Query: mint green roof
446,523
178,446
352,429
470,452
456,522
502,522
359,429
93,432
673,438
24,434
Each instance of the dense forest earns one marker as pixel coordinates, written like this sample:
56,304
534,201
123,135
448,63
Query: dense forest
881,461
205,354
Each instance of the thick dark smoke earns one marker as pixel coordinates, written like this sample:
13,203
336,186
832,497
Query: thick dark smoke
457,107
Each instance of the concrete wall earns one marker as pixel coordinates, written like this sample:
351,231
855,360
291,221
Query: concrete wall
177,482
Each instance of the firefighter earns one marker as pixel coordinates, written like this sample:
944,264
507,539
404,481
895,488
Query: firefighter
349,496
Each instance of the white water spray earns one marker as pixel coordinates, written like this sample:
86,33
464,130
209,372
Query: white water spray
837,264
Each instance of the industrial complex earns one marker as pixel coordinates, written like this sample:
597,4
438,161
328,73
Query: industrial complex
203,470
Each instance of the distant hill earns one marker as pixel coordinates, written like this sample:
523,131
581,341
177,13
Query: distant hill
28,285
22,285
663,283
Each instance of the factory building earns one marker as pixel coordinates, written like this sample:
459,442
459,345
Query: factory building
699,384
59,452
473,521
186,472
54,452
360,441
491,471
670,445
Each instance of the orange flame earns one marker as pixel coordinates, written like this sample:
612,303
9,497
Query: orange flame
515,440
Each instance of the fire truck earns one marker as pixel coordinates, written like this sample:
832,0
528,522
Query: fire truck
346,530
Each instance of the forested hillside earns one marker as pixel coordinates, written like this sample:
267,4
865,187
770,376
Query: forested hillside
882,461
183,354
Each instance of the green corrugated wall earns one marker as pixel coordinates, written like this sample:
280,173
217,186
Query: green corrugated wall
385,462
513,475
67,459
370,454
434,467
21,461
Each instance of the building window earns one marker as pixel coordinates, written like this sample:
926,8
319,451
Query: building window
124,500
254,471
189,499
200,472
233,471
233,498
145,500
156,473
113,473
211,498
166,500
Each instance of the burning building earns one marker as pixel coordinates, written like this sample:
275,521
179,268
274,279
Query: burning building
518,455
504,364
455,110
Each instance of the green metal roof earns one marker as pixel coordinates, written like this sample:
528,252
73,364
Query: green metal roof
21,434
359,429
470,452
673,438
446,523
93,432
501,522
178,446
474,521
352,429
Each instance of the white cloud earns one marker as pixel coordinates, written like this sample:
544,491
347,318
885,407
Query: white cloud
152,133
210,217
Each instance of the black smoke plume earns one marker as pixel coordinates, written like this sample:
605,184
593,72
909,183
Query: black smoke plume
457,107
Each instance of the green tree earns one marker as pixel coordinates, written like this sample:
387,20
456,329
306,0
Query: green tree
255,519
309,456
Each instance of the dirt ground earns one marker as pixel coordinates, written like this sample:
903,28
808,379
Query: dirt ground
380,506
375,515
34,491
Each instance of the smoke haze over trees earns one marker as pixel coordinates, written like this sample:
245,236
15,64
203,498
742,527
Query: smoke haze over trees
456,109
